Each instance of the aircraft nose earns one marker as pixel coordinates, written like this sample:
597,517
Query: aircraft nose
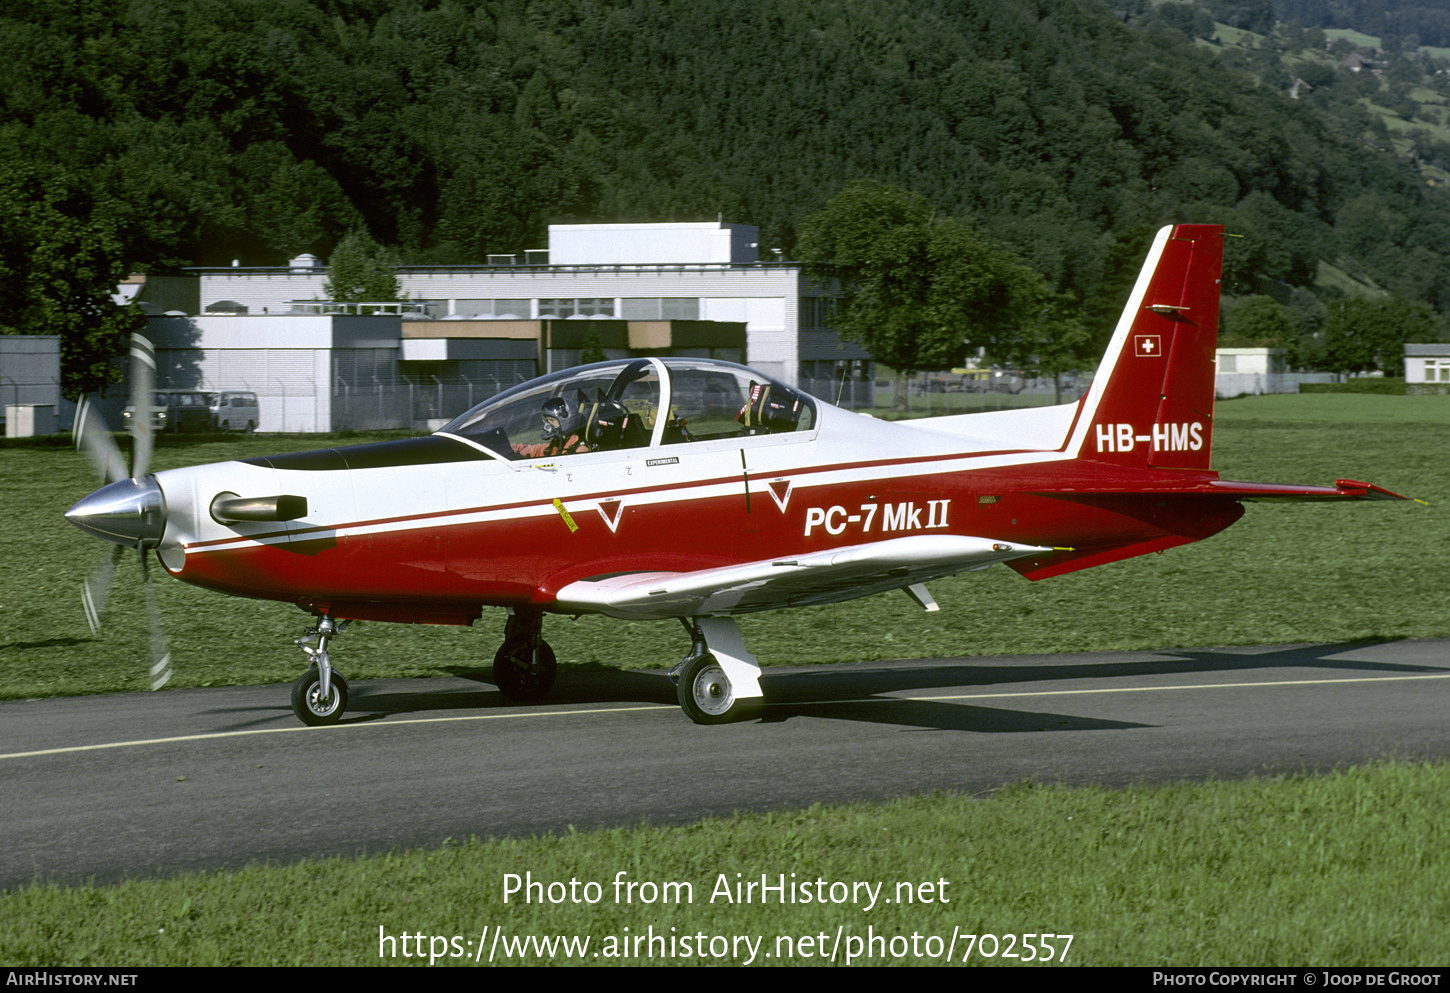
128,512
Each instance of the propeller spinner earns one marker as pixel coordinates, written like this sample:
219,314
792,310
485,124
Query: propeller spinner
130,511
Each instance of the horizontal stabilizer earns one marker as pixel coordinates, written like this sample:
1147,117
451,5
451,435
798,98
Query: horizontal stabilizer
1343,489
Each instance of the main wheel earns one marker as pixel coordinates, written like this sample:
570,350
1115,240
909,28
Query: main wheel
310,706
522,675
705,693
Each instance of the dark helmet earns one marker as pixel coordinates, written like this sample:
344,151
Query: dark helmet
607,420
562,419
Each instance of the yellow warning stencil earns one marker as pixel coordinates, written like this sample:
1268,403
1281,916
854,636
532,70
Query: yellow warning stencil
559,506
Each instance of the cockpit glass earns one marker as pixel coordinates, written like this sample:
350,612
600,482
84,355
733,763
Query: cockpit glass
721,400
620,404
637,390
514,418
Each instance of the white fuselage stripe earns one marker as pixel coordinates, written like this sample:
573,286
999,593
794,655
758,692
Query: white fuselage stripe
803,478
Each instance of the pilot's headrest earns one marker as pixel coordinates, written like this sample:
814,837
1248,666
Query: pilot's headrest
771,407
604,424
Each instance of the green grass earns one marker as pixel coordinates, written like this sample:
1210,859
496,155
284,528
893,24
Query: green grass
1338,870
1332,277
1337,417
1356,38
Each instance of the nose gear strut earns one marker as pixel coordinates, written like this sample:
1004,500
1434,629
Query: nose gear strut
319,697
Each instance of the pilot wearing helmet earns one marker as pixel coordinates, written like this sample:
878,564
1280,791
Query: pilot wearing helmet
563,430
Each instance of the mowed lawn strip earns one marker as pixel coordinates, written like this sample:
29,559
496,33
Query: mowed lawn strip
1342,869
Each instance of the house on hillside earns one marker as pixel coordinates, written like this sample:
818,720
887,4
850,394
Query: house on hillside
1364,58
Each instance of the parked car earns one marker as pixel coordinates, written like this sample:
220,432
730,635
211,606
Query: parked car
177,411
234,410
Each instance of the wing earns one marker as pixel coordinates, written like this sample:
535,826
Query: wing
816,577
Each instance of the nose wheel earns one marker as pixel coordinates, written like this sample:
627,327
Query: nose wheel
312,706
319,697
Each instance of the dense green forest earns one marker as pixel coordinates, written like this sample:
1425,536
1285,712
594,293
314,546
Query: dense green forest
196,132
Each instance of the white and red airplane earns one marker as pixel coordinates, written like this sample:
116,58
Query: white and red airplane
698,490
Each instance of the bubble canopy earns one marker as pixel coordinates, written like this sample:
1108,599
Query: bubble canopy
637,403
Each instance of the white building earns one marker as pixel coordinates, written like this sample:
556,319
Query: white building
1253,371
631,272
304,368
30,399
1427,363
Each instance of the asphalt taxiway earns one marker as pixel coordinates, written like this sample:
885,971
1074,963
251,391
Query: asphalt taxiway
108,787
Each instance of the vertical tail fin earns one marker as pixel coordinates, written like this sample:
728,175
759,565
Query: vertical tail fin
1151,402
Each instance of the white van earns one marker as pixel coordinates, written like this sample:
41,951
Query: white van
234,410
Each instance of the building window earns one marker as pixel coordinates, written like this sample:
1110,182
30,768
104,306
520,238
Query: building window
817,313
577,307
515,308
660,308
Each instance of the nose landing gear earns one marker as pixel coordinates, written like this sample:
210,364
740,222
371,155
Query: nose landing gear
319,697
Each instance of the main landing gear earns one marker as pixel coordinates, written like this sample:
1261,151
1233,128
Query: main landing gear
524,668
320,696
719,681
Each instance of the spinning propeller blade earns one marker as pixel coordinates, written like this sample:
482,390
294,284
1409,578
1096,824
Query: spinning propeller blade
132,518
94,438
143,383
160,654
96,590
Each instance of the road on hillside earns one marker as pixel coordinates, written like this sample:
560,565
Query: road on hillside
131,785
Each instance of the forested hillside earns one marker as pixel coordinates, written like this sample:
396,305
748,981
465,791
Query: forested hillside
1426,20
202,131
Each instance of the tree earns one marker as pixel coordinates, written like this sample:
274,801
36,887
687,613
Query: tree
1363,333
1056,342
593,347
60,264
1258,322
1261,322
360,271
917,291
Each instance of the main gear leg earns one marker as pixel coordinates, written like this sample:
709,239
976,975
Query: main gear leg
719,680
